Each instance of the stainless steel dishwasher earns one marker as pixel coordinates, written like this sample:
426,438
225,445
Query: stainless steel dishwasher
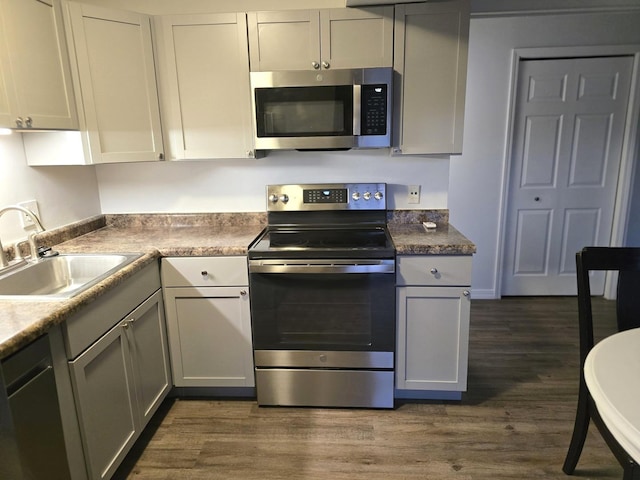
34,421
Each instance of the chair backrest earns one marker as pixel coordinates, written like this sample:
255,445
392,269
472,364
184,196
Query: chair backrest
625,260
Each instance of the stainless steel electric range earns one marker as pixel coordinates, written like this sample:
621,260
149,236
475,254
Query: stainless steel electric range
322,288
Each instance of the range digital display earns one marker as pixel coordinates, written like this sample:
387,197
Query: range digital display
325,195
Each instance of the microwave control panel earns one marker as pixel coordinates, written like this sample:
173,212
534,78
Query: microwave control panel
374,110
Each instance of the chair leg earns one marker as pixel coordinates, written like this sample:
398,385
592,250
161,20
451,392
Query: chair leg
631,471
580,429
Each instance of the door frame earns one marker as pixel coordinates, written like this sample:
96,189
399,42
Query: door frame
629,144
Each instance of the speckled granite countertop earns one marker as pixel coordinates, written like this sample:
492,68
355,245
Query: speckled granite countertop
158,235
414,239
410,237
22,321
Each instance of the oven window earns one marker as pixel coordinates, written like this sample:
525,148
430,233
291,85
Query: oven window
323,311
304,111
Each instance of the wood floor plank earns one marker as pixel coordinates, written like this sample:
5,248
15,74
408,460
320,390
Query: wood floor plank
514,422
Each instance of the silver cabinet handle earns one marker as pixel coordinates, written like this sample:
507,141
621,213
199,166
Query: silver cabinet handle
325,65
128,323
466,293
28,121
434,271
315,65
243,292
161,156
204,274
19,122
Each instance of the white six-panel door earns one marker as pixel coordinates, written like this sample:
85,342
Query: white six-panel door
567,141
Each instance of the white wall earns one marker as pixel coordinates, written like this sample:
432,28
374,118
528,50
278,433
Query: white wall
239,185
476,177
64,194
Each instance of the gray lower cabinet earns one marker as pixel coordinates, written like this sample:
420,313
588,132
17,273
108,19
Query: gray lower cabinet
433,302
122,377
208,321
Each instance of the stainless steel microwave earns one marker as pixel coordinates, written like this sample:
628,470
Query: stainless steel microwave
333,109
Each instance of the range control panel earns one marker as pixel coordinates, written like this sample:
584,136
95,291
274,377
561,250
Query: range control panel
347,196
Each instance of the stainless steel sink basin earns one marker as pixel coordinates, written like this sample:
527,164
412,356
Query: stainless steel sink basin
60,277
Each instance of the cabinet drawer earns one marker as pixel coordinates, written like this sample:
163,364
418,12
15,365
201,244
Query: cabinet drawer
434,270
204,271
85,327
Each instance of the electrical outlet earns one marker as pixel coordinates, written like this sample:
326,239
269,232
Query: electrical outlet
414,194
25,220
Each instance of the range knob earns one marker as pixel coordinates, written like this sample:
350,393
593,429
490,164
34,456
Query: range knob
367,195
284,198
355,196
378,195
273,198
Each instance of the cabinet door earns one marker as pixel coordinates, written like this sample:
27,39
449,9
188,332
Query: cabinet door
357,38
105,398
433,337
204,73
147,338
287,40
116,77
431,43
36,81
209,331
8,101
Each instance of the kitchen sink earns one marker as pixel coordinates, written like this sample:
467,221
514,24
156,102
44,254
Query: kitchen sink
60,277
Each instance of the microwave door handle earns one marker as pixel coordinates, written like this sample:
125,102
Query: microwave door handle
357,103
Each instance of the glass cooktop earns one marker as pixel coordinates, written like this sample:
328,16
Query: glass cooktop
341,242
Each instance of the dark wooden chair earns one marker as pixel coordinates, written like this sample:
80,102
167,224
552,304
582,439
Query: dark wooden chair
627,262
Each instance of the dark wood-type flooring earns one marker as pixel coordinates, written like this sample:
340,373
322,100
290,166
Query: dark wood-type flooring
514,422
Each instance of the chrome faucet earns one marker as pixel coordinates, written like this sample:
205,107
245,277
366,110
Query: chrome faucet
32,243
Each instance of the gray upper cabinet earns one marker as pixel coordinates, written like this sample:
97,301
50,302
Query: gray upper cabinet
204,83
112,58
321,39
35,82
431,45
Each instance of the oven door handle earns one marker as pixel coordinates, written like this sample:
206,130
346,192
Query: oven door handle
322,266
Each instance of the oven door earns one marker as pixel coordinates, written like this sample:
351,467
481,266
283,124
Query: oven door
323,305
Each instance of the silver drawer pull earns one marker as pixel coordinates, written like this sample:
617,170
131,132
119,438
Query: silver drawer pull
434,271
204,273
466,293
